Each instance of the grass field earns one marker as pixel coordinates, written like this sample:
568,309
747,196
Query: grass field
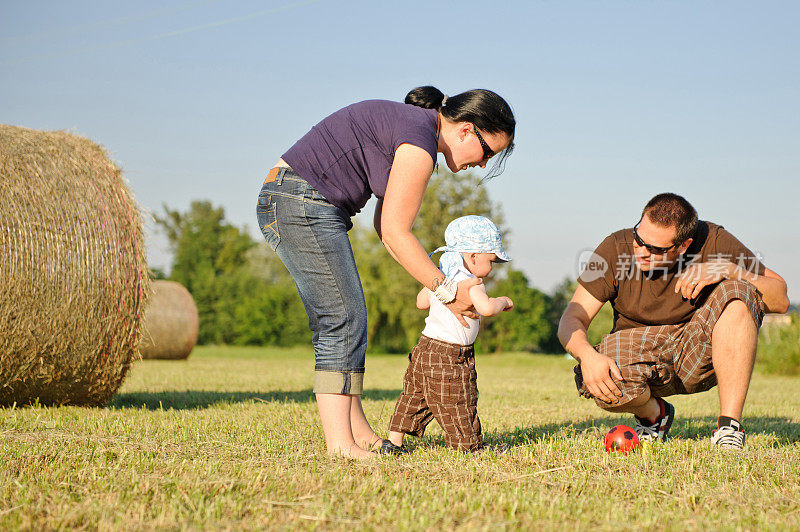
230,439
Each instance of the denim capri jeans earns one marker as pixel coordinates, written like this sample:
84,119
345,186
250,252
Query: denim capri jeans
309,234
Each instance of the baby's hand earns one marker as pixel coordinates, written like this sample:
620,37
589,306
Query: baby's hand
509,304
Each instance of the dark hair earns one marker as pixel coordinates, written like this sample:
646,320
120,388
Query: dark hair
668,210
484,108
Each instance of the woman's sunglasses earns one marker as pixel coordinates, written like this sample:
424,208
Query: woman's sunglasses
487,151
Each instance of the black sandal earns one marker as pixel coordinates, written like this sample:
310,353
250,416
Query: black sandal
388,448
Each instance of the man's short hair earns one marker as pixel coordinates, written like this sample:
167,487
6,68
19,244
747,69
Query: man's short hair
670,210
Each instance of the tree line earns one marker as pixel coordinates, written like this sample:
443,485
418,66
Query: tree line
245,296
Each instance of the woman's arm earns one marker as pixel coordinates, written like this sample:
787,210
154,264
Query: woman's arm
408,179
376,221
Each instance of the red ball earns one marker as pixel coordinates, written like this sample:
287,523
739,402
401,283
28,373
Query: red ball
621,439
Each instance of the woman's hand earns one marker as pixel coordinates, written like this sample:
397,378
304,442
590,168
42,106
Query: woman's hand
462,305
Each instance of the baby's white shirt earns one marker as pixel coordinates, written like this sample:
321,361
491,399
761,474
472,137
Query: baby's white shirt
441,324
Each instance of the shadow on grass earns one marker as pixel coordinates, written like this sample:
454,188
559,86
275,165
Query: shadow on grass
198,399
784,430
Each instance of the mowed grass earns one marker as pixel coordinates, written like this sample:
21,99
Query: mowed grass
231,439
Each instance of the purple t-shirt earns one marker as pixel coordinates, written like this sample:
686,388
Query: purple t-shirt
347,156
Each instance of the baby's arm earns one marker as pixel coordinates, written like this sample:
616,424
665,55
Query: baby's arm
423,299
488,306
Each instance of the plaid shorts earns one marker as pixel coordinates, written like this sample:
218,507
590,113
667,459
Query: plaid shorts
440,383
671,359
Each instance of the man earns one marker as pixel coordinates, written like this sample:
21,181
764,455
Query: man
688,299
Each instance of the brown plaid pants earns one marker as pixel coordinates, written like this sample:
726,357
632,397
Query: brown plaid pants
671,359
440,383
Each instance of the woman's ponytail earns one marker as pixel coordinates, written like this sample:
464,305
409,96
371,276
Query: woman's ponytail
427,97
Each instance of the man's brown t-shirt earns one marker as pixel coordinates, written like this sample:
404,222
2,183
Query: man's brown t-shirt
641,298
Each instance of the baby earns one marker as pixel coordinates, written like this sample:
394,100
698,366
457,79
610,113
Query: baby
441,382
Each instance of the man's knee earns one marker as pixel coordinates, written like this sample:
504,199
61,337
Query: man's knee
631,400
738,311
739,299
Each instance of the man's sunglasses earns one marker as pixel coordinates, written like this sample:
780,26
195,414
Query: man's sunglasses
487,151
655,250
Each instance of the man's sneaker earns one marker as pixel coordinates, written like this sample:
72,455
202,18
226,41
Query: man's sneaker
657,431
730,436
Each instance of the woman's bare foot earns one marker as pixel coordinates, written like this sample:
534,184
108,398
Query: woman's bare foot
353,452
371,443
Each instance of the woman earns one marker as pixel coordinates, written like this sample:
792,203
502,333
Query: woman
374,147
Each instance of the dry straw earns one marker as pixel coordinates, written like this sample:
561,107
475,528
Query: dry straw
171,322
73,276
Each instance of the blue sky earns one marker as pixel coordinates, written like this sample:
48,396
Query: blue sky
615,101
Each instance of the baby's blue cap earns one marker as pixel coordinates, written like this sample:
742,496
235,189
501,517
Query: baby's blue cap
470,234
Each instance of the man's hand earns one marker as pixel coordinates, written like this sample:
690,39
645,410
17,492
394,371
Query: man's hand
697,276
462,305
597,370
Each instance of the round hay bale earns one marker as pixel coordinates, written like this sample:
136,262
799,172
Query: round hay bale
170,322
73,275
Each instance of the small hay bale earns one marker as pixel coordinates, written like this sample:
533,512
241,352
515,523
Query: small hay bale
170,322
73,275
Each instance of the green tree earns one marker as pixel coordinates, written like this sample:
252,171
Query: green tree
601,324
207,254
157,274
268,310
526,327
559,299
202,237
